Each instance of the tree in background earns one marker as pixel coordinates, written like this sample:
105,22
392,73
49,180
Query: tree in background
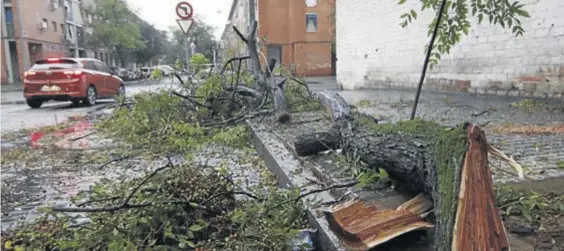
456,20
155,43
202,35
115,27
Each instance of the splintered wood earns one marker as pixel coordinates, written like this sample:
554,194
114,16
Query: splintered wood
366,226
478,225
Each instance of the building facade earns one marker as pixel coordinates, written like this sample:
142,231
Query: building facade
35,29
374,51
74,30
102,54
31,30
297,33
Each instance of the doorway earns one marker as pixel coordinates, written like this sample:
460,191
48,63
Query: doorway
14,60
274,51
35,52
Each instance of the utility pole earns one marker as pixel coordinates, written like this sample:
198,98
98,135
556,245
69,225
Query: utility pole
252,18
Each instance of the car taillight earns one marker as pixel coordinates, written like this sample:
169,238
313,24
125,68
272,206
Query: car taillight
53,60
29,73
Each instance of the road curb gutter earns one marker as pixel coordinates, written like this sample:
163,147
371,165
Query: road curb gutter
291,173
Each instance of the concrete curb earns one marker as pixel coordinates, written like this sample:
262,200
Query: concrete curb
290,173
128,83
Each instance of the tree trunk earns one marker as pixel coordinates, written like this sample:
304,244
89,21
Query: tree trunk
281,108
424,157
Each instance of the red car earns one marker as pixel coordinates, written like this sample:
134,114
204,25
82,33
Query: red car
70,79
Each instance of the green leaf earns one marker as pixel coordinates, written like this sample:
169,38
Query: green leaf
191,244
522,13
480,17
414,14
196,228
8,245
401,1
383,173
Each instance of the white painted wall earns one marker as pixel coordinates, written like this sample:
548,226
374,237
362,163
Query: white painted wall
373,50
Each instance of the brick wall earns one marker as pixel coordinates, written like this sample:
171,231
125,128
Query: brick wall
374,51
283,23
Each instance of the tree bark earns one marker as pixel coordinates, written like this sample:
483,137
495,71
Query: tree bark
449,165
281,108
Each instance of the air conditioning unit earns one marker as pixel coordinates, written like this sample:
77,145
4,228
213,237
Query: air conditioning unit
54,5
42,26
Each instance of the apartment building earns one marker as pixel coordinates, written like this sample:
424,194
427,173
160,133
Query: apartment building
297,33
87,18
31,30
74,32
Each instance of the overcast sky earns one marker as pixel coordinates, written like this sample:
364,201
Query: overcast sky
162,14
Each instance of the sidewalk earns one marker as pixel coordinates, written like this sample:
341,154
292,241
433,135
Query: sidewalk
13,95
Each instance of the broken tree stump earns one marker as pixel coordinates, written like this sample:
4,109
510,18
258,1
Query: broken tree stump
281,108
448,164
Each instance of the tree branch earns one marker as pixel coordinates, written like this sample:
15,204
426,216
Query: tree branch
125,204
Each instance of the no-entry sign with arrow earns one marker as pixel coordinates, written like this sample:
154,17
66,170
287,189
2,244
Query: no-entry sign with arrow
184,11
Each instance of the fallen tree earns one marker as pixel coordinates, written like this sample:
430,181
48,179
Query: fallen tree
448,165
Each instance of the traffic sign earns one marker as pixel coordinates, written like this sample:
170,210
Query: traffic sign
184,10
185,24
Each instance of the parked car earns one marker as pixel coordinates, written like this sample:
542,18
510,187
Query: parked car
166,70
146,72
70,79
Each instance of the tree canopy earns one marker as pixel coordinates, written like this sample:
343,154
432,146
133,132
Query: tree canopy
202,36
115,27
456,19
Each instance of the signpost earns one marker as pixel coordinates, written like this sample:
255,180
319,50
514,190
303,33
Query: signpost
184,11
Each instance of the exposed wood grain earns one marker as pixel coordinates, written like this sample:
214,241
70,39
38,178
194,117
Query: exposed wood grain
478,225
366,226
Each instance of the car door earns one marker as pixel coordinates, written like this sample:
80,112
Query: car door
92,74
112,81
104,73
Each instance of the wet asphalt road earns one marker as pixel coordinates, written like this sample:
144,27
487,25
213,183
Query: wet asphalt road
15,117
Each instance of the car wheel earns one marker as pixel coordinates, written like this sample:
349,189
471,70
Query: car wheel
34,103
90,99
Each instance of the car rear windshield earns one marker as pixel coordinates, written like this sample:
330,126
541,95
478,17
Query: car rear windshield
54,65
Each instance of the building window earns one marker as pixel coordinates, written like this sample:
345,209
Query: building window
63,28
8,14
311,22
311,3
54,26
69,31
